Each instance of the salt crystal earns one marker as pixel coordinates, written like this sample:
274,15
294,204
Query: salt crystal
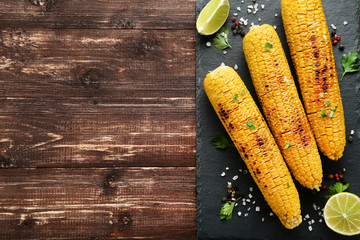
251,189
245,171
262,6
246,214
222,64
320,220
310,228
274,27
253,202
345,23
244,203
312,221
276,14
252,24
236,204
236,68
227,168
318,208
309,222
229,183
333,26
250,195
352,132
248,200
263,219
307,216
254,12
249,208
257,209
251,6
235,14
319,213
208,44
259,19
249,10
239,9
235,177
223,174
314,206
242,1
271,214
239,213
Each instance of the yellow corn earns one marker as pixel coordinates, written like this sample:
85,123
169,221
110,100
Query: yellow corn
239,114
276,90
311,51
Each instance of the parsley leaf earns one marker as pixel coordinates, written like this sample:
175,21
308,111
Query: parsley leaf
288,185
333,111
235,98
243,91
221,142
221,40
227,210
287,145
268,46
250,124
327,104
337,188
349,63
323,114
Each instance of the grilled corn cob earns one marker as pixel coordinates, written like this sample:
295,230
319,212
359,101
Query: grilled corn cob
311,51
248,130
282,107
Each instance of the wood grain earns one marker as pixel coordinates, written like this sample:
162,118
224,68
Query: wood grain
99,98
123,14
97,203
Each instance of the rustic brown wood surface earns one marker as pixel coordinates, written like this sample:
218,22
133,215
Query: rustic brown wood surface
97,119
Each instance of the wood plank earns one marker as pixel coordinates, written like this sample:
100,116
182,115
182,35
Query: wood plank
124,14
98,203
97,98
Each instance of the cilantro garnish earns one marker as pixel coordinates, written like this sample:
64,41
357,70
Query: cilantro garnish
235,98
221,142
337,188
349,63
243,91
268,46
288,185
327,104
250,124
333,111
287,145
221,40
323,114
227,210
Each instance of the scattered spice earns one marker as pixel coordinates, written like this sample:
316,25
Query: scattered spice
341,47
233,19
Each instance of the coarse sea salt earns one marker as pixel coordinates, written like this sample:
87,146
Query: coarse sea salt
235,177
236,68
239,214
310,228
222,174
262,6
257,209
345,23
239,9
227,168
208,44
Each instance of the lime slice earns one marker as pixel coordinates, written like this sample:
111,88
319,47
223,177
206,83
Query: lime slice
342,213
212,17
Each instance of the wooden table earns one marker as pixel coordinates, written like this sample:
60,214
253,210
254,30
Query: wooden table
97,119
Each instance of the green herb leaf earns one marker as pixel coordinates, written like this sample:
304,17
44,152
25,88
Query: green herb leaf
287,145
243,91
287,184
221,39
323,114
221,142
333,111
349,63
327,104
337,188
268,46
250,124
235,98
227,210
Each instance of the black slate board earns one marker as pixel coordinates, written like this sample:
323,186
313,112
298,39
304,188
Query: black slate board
211,187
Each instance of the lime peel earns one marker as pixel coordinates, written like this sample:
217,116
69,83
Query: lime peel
212,16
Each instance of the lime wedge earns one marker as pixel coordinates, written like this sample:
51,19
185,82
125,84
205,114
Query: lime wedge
342,213
212,17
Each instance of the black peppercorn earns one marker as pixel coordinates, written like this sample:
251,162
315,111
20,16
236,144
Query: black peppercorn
341,47
333,33
224,199
233,27
254,1
242,33
234,32
350,139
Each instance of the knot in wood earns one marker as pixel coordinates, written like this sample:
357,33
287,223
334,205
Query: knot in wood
43,3
92,78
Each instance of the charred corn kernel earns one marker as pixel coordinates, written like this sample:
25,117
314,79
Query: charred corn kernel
311,51
248,130
276,90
